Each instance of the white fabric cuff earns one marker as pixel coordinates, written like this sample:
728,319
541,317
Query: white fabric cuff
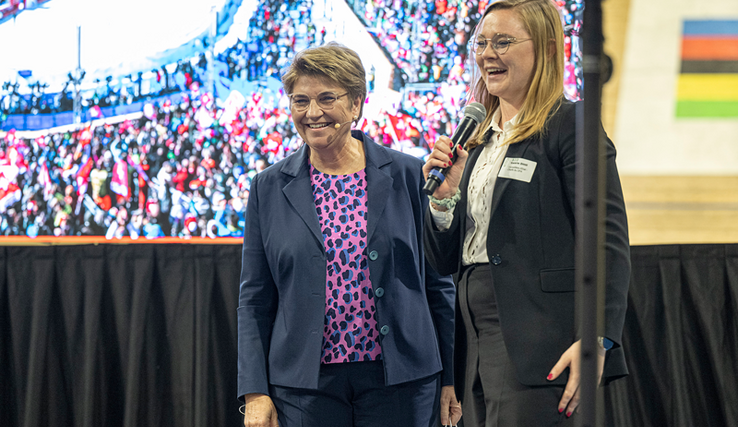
442,219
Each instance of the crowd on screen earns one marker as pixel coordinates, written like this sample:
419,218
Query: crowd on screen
184,169
179,170
428,40
121,90
273,32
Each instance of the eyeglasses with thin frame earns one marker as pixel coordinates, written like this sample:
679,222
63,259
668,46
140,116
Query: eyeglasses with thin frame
325,101
500,43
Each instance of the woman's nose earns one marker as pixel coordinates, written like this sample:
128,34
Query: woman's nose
489,51
313,109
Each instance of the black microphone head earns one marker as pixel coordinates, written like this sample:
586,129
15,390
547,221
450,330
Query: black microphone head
476,112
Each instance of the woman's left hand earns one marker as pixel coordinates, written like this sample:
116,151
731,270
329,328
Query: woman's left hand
450,407
572,359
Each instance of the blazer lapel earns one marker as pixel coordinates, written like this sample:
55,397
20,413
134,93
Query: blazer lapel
378,183
470,162
299,191
464,183
513,151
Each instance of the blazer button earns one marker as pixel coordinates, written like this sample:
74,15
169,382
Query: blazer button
373,255
496,260
379,292
384,330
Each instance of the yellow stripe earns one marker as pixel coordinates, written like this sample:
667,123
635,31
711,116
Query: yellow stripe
707,87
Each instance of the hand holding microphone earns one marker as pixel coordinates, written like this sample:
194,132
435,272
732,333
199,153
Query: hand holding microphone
446,163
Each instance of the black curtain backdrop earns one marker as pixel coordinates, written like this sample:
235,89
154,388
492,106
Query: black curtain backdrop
681,339
108,335
145,335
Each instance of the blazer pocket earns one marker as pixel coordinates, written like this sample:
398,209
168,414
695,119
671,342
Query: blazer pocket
557,280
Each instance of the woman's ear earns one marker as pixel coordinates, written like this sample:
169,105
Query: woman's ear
356,107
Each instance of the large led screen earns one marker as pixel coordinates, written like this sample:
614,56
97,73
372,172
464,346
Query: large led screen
113,136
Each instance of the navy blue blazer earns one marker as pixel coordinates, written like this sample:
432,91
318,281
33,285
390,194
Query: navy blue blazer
283,278
531,249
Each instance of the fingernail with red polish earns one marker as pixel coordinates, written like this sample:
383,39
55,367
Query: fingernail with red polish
568,414
451,145
550,377
561,410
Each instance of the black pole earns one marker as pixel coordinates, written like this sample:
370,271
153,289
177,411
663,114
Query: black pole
590,186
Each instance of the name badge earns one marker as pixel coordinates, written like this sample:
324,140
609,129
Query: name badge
518,169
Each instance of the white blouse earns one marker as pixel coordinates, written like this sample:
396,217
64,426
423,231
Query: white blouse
479,197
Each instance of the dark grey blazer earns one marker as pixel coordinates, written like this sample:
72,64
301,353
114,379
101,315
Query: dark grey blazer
531,249
282,296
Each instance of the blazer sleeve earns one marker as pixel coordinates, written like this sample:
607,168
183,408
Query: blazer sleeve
257,304
441,294
617,245
442,248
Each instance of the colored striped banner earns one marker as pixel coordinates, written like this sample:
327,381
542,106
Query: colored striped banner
708,80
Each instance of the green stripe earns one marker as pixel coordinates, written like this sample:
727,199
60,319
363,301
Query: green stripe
715,109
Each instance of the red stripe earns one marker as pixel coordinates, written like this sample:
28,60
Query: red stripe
710,48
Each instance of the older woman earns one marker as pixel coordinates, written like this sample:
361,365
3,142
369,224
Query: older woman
503,223
340,321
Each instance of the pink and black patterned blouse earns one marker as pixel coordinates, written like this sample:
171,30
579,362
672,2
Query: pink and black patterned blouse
350,333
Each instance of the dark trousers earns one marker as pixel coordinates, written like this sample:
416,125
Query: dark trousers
354,394
493,397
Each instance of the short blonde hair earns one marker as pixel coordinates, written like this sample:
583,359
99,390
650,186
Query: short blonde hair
542,21
333,62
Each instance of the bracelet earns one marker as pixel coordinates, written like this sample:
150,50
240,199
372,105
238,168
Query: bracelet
448,202
605,343
242,409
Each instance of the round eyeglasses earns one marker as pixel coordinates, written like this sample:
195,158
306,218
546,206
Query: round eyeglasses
325,101
500,43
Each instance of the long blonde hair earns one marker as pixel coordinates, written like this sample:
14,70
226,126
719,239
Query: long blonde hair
542,21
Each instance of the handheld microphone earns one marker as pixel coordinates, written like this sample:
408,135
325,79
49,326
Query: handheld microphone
474,114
